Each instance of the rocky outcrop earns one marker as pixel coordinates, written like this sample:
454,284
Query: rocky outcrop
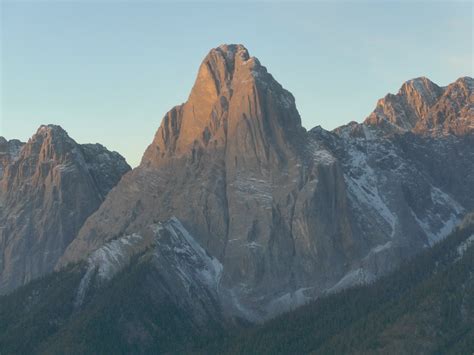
46,194
423,107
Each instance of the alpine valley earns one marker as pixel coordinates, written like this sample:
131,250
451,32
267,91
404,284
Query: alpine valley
242,232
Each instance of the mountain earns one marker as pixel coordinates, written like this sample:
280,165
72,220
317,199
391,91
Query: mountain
50,185
291,214
235,215
234,165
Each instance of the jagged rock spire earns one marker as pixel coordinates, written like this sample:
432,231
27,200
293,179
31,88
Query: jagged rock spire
231,89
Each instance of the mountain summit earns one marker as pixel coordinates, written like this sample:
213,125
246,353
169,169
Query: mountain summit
233,99
423,107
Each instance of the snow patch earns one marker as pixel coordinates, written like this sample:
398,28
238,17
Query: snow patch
362,184
319,154
461,249
253,188
449,221
106,262
382,247
289,301
206,267
352,278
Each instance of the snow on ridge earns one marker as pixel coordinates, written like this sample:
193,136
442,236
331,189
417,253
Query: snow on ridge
362,186
355,277
379,248
319,154
450,220
461,249
114,255
107,261
368,133
289,300
206,267
253,245
190,260
435,235
442,198
253,188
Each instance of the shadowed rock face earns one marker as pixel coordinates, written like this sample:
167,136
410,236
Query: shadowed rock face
288,213
425,108
46,194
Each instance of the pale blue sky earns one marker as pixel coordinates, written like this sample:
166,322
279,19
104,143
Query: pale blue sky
108,72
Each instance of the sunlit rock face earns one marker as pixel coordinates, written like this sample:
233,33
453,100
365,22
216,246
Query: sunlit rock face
289,214
425,108
48,189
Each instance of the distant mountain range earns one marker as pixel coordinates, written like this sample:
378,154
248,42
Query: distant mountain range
236,212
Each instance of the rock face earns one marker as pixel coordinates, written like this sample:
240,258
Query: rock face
291,214
46,194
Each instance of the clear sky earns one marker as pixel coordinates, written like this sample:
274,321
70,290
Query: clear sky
108,71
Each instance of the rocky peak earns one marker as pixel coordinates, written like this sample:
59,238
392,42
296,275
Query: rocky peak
421,87
50,142
453,113
46,194
422,107
401,112
48,148
217,71
232,89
